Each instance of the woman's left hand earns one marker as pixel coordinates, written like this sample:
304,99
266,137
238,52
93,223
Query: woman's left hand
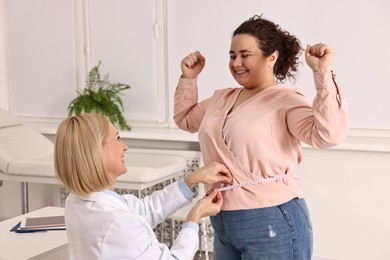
209,205
319,57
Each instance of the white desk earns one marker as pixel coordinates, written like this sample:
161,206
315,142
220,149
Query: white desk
39,245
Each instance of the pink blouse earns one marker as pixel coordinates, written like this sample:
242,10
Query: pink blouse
261,137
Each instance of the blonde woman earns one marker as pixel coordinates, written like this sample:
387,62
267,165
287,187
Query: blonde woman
102,224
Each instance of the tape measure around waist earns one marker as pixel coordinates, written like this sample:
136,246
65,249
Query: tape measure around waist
249,183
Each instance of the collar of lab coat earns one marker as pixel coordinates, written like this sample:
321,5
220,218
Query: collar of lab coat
105,198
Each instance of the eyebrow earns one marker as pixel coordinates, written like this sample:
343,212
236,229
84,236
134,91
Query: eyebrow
242,51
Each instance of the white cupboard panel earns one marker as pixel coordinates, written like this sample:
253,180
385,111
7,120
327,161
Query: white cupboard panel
41,56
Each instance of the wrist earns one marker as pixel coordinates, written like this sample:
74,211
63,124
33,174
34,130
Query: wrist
322,70
187,76
193,215
191,181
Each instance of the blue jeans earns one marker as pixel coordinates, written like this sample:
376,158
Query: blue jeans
282,232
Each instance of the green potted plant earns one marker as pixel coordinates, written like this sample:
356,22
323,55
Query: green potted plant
100,96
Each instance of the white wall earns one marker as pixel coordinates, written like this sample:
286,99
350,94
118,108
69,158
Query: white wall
40,56
3,70
349,199
40,195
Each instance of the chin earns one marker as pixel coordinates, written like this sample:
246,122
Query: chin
122,172
241,81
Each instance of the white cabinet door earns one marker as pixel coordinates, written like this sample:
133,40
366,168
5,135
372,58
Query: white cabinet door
45,44
41,56
123,38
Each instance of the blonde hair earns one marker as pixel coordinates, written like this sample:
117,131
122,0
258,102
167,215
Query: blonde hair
78,153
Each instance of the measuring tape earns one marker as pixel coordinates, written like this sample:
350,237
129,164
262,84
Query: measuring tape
231,187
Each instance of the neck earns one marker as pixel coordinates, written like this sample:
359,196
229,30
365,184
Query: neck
258,88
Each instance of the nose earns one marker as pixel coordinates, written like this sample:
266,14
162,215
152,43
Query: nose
125,147
237,62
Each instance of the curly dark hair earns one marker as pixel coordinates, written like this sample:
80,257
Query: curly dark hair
271,37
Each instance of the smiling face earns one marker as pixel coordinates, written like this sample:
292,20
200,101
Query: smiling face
248,65
113,154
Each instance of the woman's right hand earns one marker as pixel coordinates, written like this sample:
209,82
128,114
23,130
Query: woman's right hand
192,65
209,174
210,205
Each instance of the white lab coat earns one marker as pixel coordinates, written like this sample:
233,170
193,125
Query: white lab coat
101,226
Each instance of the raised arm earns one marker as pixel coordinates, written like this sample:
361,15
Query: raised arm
188,114
325,123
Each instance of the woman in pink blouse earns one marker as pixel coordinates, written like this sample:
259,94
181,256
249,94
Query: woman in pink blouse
256,131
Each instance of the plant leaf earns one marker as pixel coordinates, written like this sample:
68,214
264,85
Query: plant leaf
102,97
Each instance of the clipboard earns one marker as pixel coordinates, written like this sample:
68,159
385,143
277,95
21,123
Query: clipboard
39,224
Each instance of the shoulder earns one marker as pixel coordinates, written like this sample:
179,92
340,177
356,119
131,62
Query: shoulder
286,92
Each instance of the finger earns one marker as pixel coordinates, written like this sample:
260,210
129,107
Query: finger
201,58
308,50
190,60
194,57
318,49
224,179
321,50
218,199
225,171
218,195
211,195
186,62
